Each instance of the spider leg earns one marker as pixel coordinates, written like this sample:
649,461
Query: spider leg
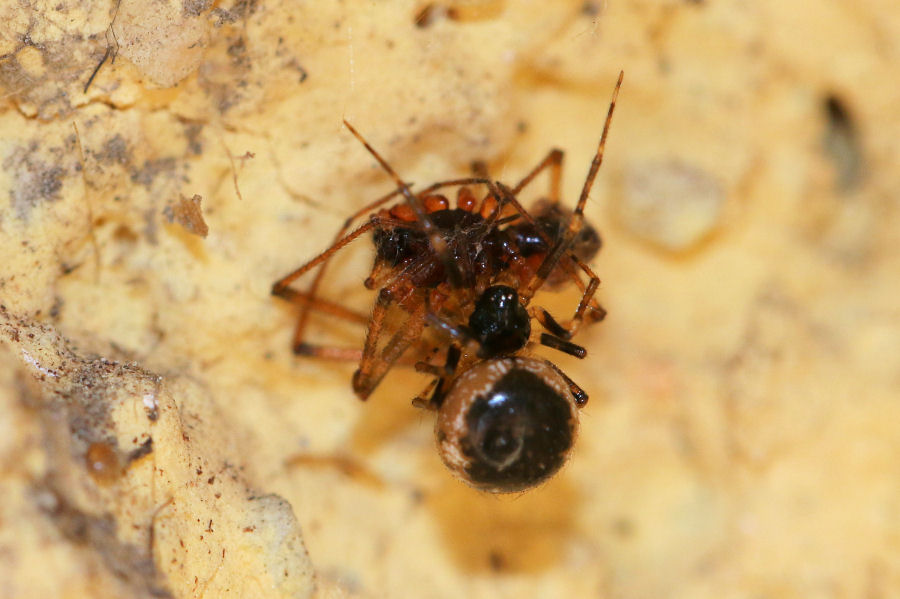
325,352
553,160
560,344
581,398
438,387
597,313
421,400
587,300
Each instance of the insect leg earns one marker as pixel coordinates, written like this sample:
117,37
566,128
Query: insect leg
375,364
553,161
309,303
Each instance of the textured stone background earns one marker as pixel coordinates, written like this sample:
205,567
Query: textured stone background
157,437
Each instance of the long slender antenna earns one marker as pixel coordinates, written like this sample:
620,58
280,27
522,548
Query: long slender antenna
598,158
577,218
413,201
434,236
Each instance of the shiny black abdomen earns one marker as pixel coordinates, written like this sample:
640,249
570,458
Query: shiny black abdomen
519,433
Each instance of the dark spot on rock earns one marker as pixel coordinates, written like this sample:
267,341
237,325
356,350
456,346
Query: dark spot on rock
237,50
496,561
152,169
146,448
589,8
115,151
623,527
295,64
192,133
841,143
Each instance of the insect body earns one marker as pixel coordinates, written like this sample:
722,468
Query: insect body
454,299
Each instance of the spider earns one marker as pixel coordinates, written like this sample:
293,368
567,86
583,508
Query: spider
454,288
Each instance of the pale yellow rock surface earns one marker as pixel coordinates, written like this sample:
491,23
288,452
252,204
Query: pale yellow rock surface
744,424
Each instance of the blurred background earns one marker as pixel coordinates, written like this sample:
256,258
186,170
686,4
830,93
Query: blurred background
164,163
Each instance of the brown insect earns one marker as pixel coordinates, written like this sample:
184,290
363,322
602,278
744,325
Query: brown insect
455,289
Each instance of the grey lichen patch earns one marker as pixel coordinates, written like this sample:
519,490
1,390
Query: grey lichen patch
114,151
192,134
194,8
147,173
35,181
231,13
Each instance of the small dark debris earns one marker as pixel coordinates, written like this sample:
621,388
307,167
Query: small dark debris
428,15
294,64
146,448
56,307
